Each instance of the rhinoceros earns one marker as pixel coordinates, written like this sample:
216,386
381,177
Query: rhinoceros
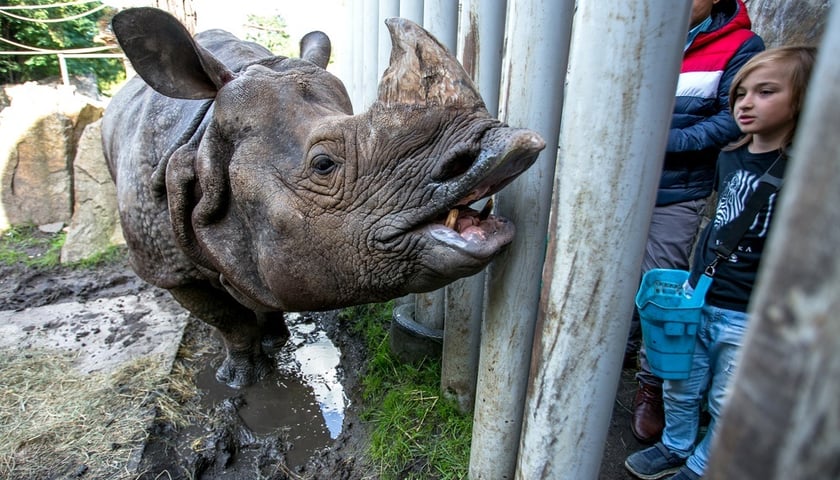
248,188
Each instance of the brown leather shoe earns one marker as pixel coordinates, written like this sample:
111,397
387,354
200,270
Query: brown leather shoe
648,414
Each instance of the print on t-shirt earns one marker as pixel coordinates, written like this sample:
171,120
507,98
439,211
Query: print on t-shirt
733,197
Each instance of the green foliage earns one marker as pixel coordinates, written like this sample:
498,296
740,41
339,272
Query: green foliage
270,32
24,244
82,32
416,433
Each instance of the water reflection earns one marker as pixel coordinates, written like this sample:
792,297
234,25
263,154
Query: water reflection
317,362
304,398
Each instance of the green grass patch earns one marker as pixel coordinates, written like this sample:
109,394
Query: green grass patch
29,246
110,255
415,432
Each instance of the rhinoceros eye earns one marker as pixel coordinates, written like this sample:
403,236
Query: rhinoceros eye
323,164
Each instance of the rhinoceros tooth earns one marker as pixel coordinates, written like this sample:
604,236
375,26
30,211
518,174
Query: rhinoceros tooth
452,218
423,72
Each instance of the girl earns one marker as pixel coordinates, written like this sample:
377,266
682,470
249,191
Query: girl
765,99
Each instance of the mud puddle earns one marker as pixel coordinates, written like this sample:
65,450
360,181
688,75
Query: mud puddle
303,399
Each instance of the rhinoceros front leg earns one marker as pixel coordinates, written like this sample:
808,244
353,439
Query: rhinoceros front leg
244,332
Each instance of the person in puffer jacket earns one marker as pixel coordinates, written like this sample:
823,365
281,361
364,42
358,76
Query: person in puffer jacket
719,42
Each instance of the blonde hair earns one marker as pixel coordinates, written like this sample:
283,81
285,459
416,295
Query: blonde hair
799,60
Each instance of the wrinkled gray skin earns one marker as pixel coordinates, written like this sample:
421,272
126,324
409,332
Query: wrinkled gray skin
247,187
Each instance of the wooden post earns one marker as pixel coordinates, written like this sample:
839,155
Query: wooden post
183,10
783,418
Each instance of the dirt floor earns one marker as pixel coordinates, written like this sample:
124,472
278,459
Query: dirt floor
211,440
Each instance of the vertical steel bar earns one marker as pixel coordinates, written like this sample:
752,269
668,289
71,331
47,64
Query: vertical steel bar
480,40
412,10
440,18
534,66
370,52
623,70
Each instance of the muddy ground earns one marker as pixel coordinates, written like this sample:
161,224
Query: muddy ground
215,443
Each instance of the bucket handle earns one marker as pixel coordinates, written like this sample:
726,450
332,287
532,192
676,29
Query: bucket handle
703,284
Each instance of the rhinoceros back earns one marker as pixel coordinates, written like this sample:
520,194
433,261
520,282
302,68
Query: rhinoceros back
141,131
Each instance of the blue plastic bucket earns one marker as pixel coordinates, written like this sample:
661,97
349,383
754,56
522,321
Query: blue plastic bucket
670,317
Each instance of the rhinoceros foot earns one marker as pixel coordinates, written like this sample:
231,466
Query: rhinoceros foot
244,368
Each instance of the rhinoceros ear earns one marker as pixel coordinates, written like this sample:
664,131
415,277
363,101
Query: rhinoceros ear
315,47
165,55
423,72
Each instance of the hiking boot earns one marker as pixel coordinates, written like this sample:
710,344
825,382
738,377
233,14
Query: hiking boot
648,414
653,463
685,473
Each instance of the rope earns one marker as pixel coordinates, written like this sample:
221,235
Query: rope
54,5
46,50
53,20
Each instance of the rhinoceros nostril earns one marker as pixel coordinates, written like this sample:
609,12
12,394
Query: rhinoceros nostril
453,166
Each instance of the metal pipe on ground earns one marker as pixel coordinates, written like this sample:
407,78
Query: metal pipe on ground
623,70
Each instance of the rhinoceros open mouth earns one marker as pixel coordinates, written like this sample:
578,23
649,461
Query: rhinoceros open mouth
505,155
477,233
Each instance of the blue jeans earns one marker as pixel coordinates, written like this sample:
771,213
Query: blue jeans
719,339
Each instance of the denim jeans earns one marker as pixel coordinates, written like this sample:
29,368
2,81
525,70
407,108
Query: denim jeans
719,339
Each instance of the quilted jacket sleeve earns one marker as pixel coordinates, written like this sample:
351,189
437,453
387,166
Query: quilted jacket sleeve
719,129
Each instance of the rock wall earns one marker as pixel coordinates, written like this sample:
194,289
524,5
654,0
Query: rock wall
95,223
789,23
52,170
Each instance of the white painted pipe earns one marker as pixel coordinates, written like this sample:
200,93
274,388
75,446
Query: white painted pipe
370,53
537,37
480,46
440,18
412,10
480,40
624,62
357,39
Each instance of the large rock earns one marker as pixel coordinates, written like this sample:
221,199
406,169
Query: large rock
781,22
37,187
41,126
95,219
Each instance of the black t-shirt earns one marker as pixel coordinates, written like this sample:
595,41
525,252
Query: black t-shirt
738,172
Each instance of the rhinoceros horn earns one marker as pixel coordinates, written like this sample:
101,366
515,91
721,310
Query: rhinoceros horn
423,72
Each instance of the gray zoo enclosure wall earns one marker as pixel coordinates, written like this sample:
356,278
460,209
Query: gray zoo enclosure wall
553,310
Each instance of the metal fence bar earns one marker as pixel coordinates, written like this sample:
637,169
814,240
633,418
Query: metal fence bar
625,59
537,36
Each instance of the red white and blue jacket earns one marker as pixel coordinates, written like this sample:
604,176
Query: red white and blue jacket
701,123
